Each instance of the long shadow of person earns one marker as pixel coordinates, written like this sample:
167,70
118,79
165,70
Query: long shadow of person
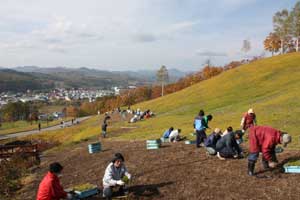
147,190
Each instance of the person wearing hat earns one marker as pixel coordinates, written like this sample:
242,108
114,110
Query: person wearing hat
248,120
50,187
264,139
227,147
114,173
211,141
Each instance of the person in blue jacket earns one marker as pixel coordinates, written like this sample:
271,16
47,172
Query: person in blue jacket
168,132
200,125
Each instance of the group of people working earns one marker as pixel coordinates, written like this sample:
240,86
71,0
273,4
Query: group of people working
50,187
140,115
262,139
227,144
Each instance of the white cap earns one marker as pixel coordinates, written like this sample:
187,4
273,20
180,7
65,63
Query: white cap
286,139
250,111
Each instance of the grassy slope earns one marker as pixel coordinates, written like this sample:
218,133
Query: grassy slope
271,86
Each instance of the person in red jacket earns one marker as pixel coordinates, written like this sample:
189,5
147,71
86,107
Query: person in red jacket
264,139
248,120
50,187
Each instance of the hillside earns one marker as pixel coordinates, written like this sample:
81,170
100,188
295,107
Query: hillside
11,80
270,86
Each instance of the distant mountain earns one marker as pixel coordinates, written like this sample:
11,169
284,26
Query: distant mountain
37,78
11,80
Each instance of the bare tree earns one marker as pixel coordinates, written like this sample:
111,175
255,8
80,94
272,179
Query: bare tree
162,77
246,46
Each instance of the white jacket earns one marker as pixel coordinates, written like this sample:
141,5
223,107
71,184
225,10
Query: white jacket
113,174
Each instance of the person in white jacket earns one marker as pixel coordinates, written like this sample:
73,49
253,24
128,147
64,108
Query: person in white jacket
174,135
113,176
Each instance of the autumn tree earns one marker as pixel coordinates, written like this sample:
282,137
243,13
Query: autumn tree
162,78
272,43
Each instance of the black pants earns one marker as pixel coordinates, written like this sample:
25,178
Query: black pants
201,136
108,192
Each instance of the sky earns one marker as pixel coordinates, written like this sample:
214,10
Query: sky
133,34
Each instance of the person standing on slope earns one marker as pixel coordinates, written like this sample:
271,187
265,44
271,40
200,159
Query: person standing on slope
248,120
264,139
200,125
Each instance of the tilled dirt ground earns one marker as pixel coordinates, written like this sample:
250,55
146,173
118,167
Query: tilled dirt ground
175,171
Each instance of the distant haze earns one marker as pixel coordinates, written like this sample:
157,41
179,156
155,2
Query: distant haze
132,34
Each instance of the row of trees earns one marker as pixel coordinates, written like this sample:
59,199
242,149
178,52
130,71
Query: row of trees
286,31
145,93
19,111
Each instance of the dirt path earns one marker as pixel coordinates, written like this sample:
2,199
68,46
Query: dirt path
25,133
176,171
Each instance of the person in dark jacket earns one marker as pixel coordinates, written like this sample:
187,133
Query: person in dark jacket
227,146
211,141
50,187
264,139
104,129
168,132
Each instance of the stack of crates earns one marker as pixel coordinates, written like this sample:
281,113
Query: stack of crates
153,144
94,148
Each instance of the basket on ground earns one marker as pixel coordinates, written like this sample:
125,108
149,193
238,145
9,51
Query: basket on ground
94,148
153,144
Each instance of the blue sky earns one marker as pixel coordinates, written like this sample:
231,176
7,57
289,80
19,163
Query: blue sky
132,34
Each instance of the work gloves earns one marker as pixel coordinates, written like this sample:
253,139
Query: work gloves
120,182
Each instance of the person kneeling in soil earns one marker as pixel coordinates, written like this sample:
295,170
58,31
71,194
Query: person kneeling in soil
211,141
114,175
174,136
168,132
50,187
227,146
264,139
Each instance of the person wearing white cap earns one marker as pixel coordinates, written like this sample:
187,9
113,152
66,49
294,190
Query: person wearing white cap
264,139
248,120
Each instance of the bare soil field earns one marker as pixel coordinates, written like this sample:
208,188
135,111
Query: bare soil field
175,171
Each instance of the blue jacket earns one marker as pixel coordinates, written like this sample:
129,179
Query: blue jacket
167,133
199,123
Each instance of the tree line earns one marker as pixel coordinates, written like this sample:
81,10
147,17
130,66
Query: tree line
286,31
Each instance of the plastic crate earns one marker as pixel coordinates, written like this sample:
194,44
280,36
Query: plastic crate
291,169
94,148
86,193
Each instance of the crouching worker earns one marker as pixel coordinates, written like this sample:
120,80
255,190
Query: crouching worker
114,176
174,136
227,146
264,139
211,141
168,132
50,187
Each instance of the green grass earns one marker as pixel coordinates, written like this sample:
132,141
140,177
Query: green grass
271,86
19,126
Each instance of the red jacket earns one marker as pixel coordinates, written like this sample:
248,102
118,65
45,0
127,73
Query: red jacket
263,139
249,120
50,188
